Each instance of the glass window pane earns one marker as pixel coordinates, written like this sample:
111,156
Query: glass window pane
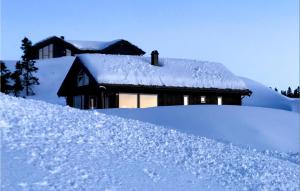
203,99
147,100
82,79
128,100
41,53
220,100
186,100
77,102
46,52
51,51
68,52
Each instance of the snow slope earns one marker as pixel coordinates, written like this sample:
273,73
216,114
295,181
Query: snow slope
259,128
51,73
50,147
263,96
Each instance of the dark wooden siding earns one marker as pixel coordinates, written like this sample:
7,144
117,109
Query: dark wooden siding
170,99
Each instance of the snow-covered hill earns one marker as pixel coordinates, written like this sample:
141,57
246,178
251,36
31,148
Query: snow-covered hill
257,127
263,96
50,147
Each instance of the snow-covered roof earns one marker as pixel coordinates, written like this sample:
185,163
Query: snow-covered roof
92,45
137,70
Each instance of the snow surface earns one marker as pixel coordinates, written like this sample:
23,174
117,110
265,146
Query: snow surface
262,96
51,73
50,147
137,70
91,45
255,127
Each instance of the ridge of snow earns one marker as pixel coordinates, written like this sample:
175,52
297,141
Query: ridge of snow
137,70
255,127
60,148
92,45
262,96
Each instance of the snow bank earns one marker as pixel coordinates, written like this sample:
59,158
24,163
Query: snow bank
92,45
263,96
51,73
49,147
137,70
259,128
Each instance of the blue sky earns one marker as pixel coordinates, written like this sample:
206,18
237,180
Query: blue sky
258,39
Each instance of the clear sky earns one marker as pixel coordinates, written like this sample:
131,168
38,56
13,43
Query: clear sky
258,39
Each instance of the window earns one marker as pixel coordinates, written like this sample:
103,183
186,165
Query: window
78,102
203,99
127,100
148,100
220,101
40,53
68,52
185,100
82,79
46,52
92,102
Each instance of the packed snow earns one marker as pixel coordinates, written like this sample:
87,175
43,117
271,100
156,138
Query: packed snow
51,147
92,45
263,96
137,70
254,127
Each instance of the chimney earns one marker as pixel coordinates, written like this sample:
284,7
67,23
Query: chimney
154,57
62,37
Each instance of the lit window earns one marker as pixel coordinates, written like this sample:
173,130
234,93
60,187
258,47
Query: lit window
220,102
82,79
186,100
203,99
92,102
78,102
128,100
68,52
147,100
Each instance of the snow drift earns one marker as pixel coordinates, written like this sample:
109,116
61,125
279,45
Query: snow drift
255,127
263,96
50,147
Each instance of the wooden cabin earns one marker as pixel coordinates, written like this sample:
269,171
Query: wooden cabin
97,81
54,47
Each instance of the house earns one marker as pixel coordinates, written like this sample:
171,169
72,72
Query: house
123,81
54,47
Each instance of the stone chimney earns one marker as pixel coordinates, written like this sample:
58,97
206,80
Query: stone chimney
154,57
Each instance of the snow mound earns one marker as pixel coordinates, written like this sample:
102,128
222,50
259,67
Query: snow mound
255,127
51,73
49,147
137,70
263,96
